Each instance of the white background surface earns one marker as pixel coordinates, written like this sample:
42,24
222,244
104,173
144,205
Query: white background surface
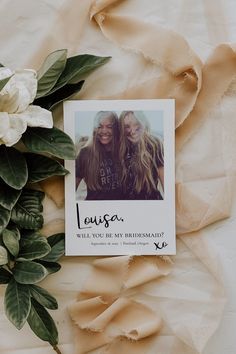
204,23
223,239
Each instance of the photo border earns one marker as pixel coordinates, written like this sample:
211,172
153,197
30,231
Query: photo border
84,241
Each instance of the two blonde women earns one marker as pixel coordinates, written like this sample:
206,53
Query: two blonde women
122,160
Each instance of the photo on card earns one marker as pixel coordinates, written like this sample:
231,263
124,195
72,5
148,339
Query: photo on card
119,195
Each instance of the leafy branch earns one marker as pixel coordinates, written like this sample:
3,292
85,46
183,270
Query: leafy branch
26,256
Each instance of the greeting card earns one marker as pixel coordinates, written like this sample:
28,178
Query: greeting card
120,191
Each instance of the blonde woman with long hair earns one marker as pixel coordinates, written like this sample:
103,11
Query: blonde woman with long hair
142,158
97,162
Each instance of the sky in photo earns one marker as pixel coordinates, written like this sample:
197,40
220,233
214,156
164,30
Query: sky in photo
84,122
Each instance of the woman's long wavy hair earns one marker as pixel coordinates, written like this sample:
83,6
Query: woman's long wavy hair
147,154
96,150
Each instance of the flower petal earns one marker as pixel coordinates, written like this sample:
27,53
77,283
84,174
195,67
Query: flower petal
36,116
26,83
5,72
19,92
17,127
9,93
4,123
9,97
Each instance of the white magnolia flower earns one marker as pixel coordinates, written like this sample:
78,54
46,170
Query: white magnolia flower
16,113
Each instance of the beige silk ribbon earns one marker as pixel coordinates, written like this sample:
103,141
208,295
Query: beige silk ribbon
181,77
105,318
119,320
148,304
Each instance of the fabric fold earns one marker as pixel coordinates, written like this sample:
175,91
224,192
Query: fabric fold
123,316
106,321
217,74
181,67
104,315
124,272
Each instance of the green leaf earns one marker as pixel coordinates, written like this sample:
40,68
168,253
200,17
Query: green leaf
17,303
13,168
57,243
8,195
5,276
28,237
11,241
3,256
50,71
88,64
4,82
4,218
52,267
41,167
14,229
27,211
51,100
43,297
52,141
77,68
29,272
42,323
34,250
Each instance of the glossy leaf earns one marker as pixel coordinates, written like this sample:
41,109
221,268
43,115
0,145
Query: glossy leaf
31,237
77,68
43,297
8,195
42,323
5,215
14,229
4,82
52,267
11,241
3,256
27,211
48,102
29,272
52,141
57,243
50,71
34,250
13,168
5,276
41,167
17,303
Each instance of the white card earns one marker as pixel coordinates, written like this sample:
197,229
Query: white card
120,193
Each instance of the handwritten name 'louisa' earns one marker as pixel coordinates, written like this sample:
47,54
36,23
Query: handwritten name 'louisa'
105,219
